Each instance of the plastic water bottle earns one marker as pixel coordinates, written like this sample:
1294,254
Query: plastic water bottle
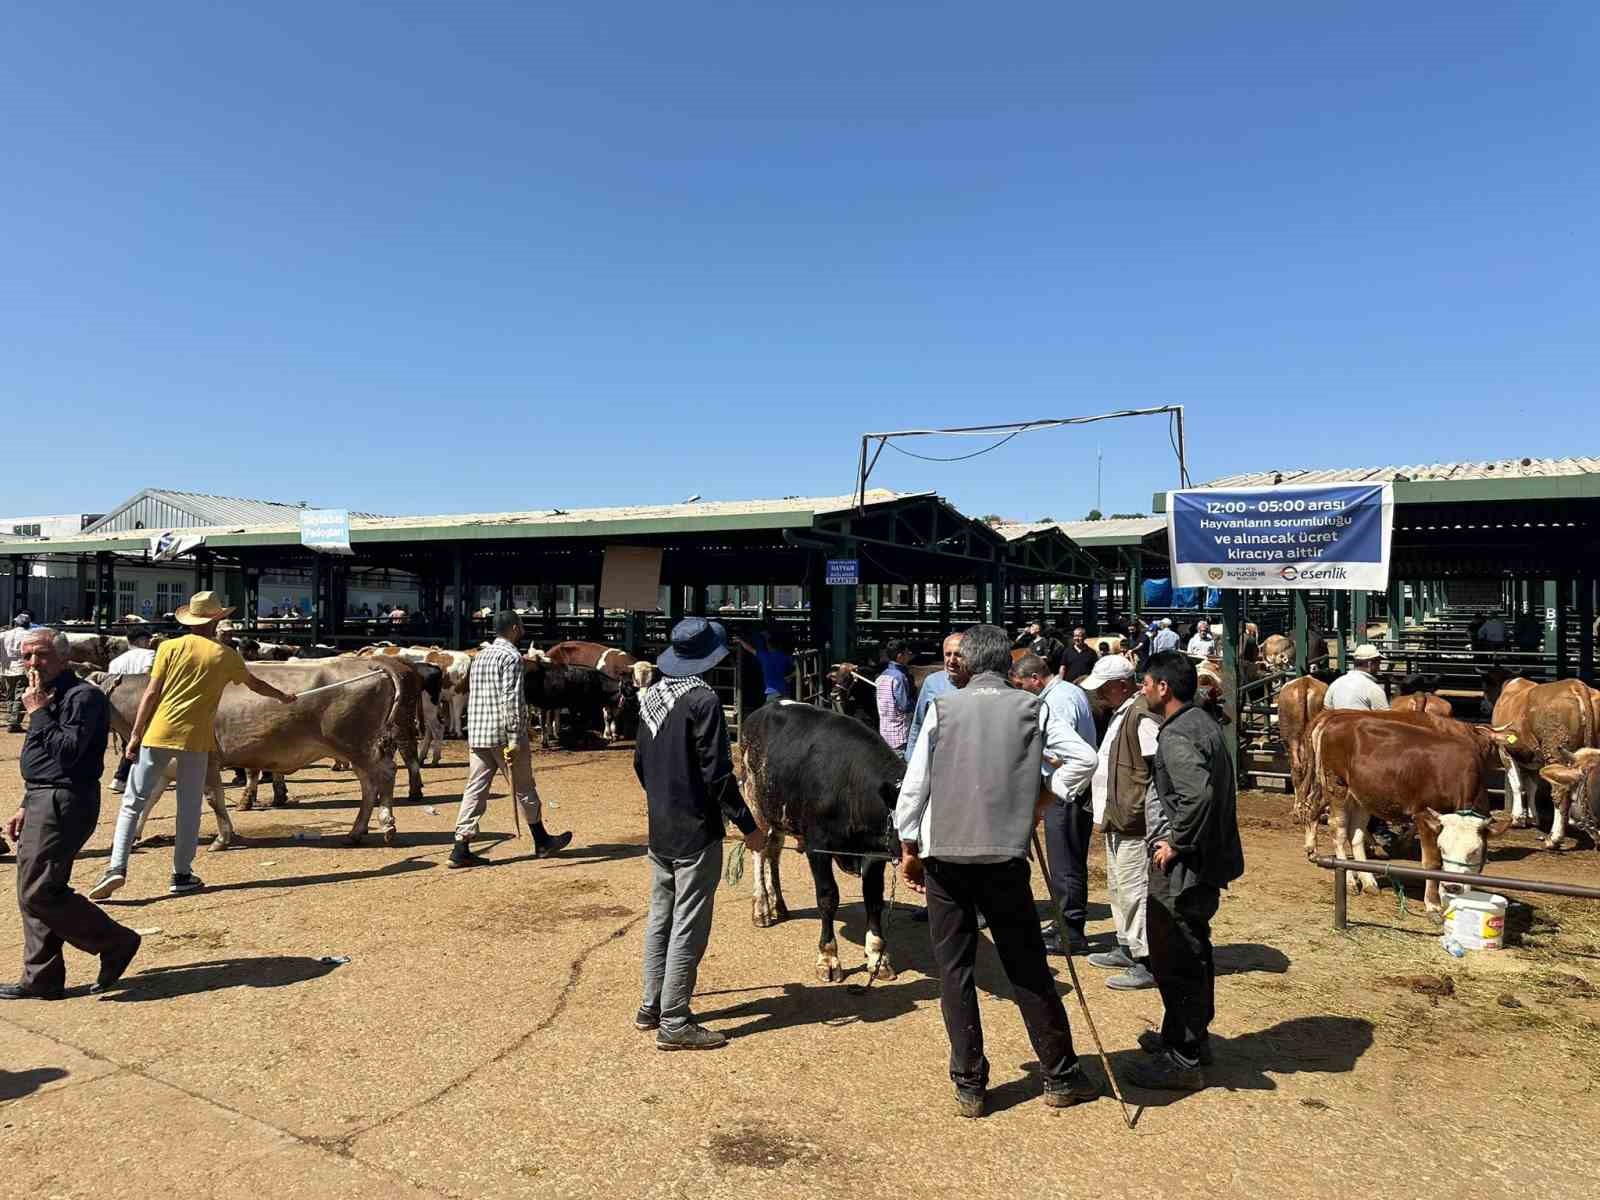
1452,947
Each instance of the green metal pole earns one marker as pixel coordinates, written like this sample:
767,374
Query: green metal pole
1548,617
1302,632
1230,672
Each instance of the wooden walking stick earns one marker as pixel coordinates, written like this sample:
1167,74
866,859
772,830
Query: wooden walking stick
1077,988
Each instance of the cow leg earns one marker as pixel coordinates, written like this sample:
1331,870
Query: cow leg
219,808
766,904
1432,860
1560,795
280,790
878,964
828,968
432,732
1514,790
1356,818
1339,818
413,771
252,781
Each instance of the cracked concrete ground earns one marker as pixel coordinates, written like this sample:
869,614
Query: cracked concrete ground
479,1042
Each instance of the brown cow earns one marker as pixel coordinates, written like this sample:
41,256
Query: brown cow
1404,767
1277,652
1419,693
1299,702
1545,725
361,722
608,660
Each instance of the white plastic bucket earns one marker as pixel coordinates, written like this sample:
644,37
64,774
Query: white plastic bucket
1476,919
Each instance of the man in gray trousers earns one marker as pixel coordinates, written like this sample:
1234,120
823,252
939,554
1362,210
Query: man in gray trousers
682,759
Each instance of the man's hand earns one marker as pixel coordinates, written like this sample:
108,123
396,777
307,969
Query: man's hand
287,697
132,752
1164,856
911,869
14,825
755,841
34,698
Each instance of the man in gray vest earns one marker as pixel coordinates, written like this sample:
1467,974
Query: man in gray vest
965,813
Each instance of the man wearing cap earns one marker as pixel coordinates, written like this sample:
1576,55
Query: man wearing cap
177,725
497,735
1121,779
1356,688
1066,727
1202,643
682,759
11,651
137,659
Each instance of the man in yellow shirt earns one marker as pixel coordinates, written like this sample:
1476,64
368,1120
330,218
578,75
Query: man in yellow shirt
176,723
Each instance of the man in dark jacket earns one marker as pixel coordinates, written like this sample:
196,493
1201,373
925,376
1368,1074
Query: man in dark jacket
61,763
965,813
682,759
1193,838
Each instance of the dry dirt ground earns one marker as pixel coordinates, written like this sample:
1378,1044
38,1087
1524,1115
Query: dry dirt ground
478,1043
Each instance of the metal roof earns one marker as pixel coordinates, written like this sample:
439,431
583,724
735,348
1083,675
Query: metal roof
168,508
1501,468
1113,531
283,526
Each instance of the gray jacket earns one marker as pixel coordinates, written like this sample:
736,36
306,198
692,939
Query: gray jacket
970,787
1193,805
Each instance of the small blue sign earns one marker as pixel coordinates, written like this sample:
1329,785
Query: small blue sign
843,572
326,530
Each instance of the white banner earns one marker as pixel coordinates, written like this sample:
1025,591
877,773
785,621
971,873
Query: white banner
326,530
170,544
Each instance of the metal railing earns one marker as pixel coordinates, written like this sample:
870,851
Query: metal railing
1498,883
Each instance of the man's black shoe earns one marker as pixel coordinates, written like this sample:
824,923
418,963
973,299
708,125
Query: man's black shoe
1074,1089
969,1102
1150,1042
184,884
646,1020
113,963
15,991
461,855
555,844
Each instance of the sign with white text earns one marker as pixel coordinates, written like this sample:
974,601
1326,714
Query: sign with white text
326,530
1313,536
843,572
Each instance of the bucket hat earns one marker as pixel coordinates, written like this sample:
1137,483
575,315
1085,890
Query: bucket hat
697,645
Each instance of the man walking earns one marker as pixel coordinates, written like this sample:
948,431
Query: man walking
497,734
176,724
137,659
964,817
896,700
681,758
1121,779
1067,728
1193,837
1165,638
61,764
14,678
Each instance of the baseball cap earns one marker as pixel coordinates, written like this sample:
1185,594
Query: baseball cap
1106,668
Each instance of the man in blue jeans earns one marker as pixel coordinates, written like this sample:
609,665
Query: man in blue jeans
682,759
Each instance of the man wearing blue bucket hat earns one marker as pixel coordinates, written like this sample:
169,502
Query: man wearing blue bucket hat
682,758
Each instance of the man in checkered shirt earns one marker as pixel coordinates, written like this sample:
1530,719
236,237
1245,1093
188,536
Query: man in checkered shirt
497,731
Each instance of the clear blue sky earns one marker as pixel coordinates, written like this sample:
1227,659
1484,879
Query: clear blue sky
427,258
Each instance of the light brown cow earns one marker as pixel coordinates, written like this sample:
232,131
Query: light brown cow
1299,702
1277,652
1404,767
608,660
1545,725
361,722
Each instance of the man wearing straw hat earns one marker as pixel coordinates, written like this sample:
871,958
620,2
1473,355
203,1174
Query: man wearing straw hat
1357,688
176,724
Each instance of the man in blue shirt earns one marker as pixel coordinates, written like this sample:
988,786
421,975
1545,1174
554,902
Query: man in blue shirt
774,650
1165,638
952,677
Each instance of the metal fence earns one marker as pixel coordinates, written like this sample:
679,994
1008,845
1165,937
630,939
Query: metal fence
1498,883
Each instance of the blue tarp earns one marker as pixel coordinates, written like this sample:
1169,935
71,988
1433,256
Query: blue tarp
1159,593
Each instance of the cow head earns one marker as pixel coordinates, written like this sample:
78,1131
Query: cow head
1462,838
1580,776
644,674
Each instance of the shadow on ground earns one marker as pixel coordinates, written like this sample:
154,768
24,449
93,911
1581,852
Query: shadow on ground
16,1084
188,979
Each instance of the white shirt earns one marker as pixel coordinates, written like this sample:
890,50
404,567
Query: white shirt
12,645
1163,641
133,661
1356,689
1149,735
1202,644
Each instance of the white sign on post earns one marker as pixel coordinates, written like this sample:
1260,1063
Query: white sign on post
326,530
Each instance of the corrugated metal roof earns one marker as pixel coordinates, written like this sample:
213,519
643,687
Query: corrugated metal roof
1502,468
1131,529
168,508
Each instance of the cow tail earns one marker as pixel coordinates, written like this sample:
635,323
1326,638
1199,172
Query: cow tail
1311,772
387,740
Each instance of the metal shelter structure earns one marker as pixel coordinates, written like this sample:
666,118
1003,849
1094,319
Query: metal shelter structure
894,538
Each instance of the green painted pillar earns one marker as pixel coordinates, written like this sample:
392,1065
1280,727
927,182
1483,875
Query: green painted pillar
1396,600
1358,616
458,621
1586,629
1091,608
1548,616
944,608
1231,626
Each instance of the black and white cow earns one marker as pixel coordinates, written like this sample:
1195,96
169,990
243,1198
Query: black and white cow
831,783
591,697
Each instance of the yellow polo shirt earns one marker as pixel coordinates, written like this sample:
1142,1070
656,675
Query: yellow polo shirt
192,672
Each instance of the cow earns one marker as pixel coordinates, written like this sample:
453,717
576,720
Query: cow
94,649
1277,652
1545,725
608,660
1403,767
831,783
252,650
1579,775
851,694
552,689
456,666
1299,702
363,721
1419,693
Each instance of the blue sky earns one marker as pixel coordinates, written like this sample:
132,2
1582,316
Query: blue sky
426,258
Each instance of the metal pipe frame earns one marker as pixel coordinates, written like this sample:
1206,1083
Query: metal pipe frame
1499,883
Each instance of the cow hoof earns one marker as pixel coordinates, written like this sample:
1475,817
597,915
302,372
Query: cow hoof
763,918
391,837
353,839
1522,822
220,843
246,805
1552,844
828,969
882,972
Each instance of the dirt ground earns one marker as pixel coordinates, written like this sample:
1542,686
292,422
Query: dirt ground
479,1041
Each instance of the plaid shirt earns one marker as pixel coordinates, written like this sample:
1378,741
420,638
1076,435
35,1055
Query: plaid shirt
497,713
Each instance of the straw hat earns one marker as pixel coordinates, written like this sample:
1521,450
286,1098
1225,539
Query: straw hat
202,609
1365,651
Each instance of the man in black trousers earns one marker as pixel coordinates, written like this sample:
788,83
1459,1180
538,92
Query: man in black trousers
61,764
1192,835
964,816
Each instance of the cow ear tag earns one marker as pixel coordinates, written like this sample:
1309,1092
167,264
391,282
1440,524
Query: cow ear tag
1511,739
